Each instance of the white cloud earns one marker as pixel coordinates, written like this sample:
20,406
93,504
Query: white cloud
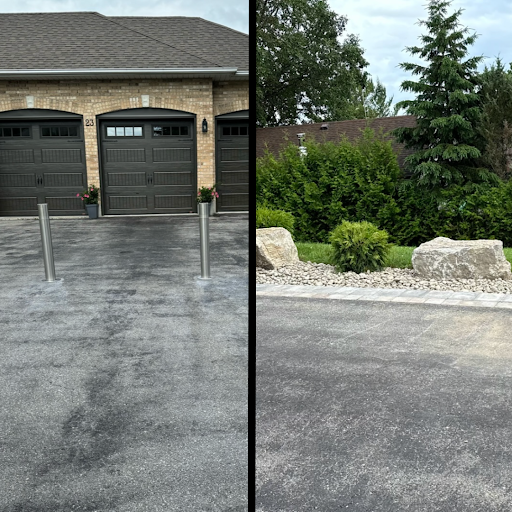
385,29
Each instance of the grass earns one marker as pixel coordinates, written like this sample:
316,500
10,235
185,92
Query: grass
399,257
316,253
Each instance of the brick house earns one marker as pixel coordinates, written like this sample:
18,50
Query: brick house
276,139
147,108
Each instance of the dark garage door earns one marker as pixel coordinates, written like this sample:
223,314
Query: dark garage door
41,162
232,164
148,165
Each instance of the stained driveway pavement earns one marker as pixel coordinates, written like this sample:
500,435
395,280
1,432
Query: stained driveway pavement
382,406
123,387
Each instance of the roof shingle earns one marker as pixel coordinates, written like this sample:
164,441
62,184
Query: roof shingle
88,40
217,44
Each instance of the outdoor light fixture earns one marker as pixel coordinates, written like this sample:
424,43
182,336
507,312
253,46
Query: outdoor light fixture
205,125
302,149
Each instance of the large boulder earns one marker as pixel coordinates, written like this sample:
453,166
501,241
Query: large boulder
275,248
444,258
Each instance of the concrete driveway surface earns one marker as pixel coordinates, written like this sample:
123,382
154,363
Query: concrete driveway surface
382,406
123,387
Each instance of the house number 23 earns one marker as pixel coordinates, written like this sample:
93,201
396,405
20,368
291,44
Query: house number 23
89,122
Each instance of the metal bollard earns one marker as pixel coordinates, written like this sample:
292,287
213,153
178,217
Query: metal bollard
204,233
46,237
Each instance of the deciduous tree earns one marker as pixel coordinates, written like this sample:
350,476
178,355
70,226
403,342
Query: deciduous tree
305,71
370,101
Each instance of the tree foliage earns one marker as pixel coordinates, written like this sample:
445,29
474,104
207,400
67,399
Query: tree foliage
446,139
333,182
361,181
496,121
370,101
304,71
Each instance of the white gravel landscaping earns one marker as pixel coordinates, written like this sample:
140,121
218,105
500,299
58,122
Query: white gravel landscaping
321,274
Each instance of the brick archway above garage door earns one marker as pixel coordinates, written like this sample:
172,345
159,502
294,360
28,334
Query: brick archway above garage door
148,161
232,161
42,160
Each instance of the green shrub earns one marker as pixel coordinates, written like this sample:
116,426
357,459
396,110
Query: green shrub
334,182
268,218
361,181
359,246
399,256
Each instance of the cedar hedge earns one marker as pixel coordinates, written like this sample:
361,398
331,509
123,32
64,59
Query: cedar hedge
362,182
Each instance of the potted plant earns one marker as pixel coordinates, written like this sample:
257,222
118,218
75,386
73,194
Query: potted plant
208,195
90,198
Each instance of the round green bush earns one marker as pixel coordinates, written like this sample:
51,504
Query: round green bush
268,218
358,247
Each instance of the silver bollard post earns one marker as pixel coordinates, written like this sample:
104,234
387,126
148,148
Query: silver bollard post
204,232
46,237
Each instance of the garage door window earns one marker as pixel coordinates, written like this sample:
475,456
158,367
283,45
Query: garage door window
15,132
170,131
124,131
235,131
59,131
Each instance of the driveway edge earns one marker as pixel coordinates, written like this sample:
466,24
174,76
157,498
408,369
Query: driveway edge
470,299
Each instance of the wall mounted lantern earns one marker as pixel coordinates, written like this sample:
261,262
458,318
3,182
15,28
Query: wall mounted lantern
205,126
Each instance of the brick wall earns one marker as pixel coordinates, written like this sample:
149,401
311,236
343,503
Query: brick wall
202,97
230,97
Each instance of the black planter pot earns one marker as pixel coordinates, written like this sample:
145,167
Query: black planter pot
92,210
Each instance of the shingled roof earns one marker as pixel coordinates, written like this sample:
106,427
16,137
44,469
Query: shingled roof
75,41
277,138
215,43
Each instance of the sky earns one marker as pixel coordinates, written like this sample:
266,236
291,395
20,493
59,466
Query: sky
230,13
386,28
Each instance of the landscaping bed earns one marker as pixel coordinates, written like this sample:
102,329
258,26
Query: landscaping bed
314,269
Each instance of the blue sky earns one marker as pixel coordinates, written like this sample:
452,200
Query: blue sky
385,28
231,13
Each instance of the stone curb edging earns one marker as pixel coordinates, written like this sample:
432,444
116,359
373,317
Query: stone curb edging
471,299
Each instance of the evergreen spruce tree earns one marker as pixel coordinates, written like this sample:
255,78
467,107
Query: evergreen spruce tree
496,122
446,105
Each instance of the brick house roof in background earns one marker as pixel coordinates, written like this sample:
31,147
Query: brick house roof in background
275,139
89,40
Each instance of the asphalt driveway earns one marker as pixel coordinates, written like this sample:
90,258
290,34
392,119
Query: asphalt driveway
123,387
380,406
